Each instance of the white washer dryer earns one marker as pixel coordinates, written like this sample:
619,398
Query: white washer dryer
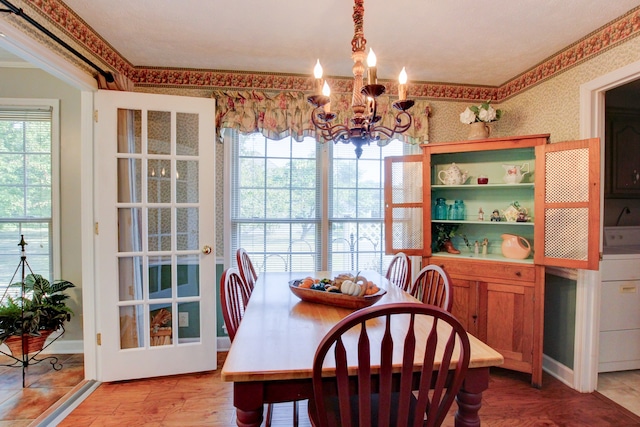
620,300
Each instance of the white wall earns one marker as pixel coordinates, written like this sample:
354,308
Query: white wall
35,83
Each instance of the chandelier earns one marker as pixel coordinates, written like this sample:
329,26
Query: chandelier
364,126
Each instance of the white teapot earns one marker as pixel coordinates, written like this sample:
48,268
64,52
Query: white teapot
513,174
452,175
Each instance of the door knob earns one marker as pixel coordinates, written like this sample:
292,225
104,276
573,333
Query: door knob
206,249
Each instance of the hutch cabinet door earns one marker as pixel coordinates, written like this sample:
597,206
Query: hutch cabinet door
406,192
465,303
567,204
507,323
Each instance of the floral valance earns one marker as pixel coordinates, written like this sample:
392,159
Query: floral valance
282,114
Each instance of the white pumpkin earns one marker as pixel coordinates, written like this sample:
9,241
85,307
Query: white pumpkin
350,288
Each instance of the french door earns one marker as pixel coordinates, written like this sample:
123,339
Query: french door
154,234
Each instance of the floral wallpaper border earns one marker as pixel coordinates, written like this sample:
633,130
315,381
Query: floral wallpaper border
66,21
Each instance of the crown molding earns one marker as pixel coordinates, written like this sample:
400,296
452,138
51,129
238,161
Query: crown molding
66,21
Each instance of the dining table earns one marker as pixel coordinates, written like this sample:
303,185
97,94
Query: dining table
271,357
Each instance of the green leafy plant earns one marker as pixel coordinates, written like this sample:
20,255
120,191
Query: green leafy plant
43,307
440,233
480,113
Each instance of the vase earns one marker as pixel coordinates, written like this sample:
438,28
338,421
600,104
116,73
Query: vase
479,130
515,247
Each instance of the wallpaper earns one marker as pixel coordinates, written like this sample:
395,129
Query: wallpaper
552,106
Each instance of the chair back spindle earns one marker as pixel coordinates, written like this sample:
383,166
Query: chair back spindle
399,271
396,376
433,286
234,297
247,271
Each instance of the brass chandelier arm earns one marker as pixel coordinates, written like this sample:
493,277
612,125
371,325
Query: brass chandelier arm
372,132
328,131
399,128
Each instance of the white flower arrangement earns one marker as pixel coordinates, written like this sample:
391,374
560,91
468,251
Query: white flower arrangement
480,113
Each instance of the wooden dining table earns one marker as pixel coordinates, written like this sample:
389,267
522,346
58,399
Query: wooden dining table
271,357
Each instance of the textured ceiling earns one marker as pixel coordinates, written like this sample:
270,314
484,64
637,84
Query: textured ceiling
462,41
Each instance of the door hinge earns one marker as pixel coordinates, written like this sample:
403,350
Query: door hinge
95,116
99,338
96,228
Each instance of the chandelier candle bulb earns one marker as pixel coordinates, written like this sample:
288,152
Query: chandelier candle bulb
402,87
372,73
317,73
326,91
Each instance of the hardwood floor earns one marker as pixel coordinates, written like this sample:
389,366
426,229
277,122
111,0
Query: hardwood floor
204,400
44,387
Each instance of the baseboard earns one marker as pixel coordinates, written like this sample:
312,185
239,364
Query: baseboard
557,370
224,343
65,347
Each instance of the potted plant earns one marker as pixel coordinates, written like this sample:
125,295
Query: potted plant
441,234
478,116
40,311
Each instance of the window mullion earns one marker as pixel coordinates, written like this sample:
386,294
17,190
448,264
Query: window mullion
325,168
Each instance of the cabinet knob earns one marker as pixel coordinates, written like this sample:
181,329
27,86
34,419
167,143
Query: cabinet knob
518,273
206,249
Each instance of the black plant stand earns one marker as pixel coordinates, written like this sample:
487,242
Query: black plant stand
27,358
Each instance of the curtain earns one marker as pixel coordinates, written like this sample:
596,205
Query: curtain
120,82
283,114
129,221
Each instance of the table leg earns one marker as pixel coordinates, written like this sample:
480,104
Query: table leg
469,397
248,418
248,399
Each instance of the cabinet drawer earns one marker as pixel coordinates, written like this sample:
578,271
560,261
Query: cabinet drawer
620,305
486,270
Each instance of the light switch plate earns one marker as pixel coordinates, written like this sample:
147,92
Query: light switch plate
183,319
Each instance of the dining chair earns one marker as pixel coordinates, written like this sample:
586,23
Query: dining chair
371,387
433,286
247,271
399,271
234,297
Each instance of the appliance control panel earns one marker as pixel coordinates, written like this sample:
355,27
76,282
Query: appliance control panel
621,236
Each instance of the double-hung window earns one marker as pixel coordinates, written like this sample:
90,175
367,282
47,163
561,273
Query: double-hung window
302,206
28,150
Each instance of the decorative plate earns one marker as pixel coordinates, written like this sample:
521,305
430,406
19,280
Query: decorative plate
333,298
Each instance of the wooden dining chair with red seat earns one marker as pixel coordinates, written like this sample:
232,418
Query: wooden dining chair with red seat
399,271
416,386
433,286
247,271
234,297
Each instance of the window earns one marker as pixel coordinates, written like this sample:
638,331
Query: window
302,206
28,140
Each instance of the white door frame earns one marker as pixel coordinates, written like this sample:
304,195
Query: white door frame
592,125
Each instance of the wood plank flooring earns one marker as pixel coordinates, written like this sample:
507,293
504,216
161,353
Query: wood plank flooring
204,400
43,388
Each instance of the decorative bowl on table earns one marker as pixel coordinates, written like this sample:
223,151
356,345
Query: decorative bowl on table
336,299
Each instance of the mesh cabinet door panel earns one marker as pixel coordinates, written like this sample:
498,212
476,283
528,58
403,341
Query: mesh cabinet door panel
570,205
403,199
